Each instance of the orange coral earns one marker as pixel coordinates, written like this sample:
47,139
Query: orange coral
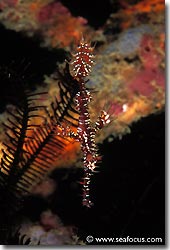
162,41
61,28
143,7
51,19
35,6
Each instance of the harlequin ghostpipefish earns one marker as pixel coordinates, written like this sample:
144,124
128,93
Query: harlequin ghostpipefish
81,64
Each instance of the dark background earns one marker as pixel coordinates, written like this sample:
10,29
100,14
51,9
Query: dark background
129,190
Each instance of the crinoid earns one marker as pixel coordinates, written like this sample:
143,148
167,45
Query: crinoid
33,142
37,135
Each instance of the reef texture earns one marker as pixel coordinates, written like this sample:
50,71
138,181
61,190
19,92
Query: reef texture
48,19
48,231
129,70
128,75
129,65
